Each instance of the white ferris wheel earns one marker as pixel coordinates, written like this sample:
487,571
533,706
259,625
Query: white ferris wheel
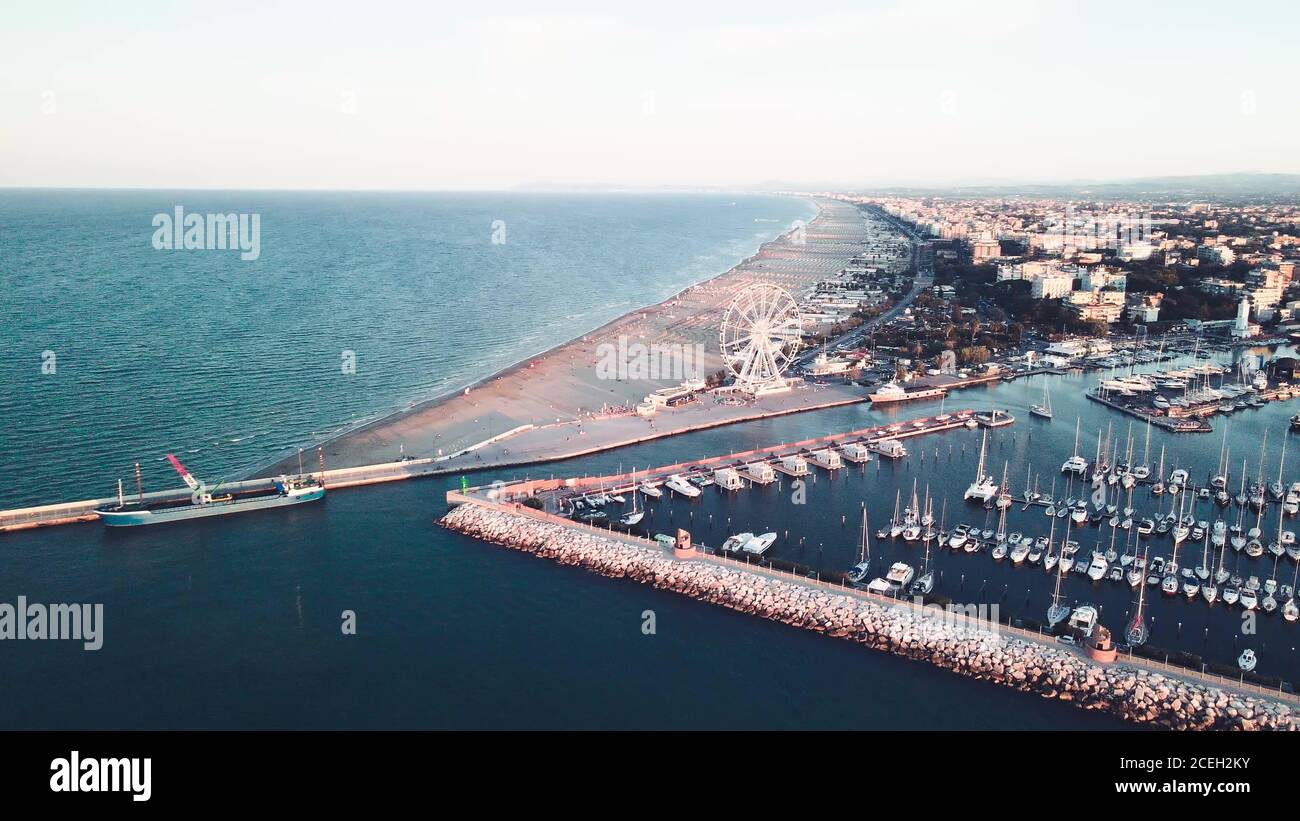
760,335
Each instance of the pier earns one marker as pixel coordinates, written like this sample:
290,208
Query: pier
517,447
1183,425
1135,689
742,464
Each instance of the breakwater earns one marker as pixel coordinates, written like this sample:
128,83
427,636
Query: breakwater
967,647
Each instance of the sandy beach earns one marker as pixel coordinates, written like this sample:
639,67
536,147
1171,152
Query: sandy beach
560,389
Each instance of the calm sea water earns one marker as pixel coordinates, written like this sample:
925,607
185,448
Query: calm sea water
236,623
228,362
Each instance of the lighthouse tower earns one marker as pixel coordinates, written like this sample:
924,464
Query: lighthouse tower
1240,328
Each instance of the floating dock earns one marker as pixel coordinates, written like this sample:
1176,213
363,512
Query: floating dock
737,470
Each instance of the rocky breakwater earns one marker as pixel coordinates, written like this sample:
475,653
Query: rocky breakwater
965,646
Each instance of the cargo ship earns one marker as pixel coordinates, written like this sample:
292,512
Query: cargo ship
894,392
284,491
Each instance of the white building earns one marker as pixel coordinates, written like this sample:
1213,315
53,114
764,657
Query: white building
1051,286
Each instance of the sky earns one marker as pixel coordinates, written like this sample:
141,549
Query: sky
490,96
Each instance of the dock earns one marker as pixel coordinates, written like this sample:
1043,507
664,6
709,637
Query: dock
759,466
853,445
1194,424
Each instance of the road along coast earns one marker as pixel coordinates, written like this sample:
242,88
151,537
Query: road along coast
966,646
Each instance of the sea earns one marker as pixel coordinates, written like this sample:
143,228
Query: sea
241,622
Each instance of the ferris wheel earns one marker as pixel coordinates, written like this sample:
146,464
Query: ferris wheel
760,335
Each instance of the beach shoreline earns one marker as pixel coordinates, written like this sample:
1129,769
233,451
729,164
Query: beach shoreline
542,389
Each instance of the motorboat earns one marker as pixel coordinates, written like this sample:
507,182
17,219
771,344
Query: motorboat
1084,619
735,543
1098,566
759,544
679,485
900,574
1020,551
1247,660
958,537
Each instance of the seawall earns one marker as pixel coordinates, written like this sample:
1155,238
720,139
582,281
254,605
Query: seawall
967,647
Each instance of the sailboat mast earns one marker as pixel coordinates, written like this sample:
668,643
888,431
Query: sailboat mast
1056,593
862,551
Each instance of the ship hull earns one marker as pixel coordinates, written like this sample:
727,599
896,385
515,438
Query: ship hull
135,518
880,399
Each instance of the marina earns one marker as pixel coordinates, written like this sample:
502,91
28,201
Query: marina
1138,523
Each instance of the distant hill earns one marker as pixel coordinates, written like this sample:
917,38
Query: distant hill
1216,186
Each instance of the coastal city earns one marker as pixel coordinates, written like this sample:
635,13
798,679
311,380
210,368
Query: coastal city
969,330
883,367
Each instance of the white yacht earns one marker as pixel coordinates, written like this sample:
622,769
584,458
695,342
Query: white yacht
900,574
680,486
735,543
759,544
1084,619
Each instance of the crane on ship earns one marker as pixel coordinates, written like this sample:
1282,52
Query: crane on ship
200,493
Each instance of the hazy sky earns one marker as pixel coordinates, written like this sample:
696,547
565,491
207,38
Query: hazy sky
473,95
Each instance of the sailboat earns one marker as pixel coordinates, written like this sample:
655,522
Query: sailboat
1203,569
1049,560
1004,491
925,582
1291,610
635,515
1219,481
859,571
1138,632
1076,464
1159,486
1045,408
1058,612
1000,540
896,523
1276,489
912,517
1143,471
983,488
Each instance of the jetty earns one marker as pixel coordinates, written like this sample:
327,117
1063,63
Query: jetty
1135,689
851,444
1194,424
